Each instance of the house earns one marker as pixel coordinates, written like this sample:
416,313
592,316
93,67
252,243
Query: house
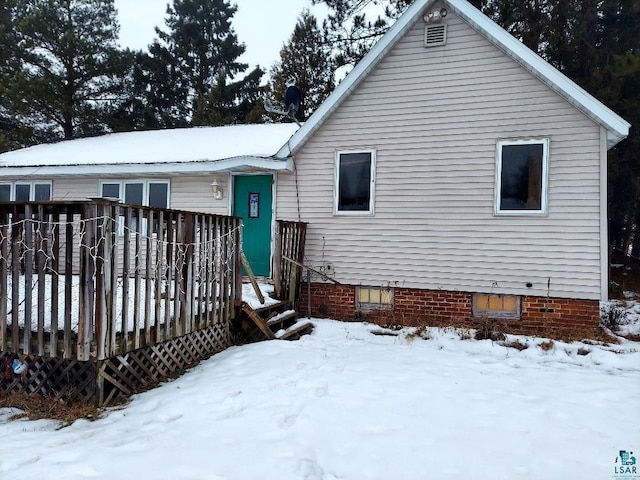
185,169
453,175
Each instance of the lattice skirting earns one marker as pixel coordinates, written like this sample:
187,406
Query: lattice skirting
116,377
140,369
61,379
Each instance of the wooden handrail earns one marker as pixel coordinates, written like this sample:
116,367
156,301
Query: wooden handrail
318,272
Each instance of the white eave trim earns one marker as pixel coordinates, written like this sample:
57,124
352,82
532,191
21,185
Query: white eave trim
617,127
176,168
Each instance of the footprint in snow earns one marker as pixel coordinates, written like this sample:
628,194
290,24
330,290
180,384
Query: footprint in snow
310,469
286,421
322,391
163,419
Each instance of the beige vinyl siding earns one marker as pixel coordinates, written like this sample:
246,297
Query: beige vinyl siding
192,193
80,188
433,116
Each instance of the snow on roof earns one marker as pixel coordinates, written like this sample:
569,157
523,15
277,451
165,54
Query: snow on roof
153,147
617,128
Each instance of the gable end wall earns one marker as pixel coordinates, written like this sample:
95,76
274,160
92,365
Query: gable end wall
434,115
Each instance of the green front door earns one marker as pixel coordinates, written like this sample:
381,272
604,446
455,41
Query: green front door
252,200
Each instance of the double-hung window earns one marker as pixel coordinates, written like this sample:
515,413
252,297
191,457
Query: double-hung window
354,182
25,192
149,193
521,177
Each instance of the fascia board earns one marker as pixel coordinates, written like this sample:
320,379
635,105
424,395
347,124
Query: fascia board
178,168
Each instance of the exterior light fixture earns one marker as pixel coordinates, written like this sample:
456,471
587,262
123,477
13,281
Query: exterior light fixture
433,16
216,190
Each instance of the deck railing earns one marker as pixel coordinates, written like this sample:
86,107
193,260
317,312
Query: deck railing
289,256
83,280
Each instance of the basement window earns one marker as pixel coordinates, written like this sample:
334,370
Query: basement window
492,305
374,298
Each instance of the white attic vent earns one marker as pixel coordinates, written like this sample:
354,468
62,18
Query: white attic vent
435,35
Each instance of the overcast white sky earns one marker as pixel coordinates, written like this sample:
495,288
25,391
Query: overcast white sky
262,25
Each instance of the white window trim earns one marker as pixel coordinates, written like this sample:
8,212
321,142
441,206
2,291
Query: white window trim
32,189
145,188
336,184
545,178
142,229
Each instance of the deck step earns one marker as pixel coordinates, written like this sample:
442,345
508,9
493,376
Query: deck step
295,331
258,320
271,307
282,317
283,325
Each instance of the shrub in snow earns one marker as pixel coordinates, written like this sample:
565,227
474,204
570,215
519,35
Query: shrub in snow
612,316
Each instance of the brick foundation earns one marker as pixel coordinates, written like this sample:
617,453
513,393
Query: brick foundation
415,307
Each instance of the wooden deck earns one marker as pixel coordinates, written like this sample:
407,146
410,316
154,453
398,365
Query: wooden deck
99,299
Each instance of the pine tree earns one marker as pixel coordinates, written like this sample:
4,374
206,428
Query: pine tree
8,38
351,33
204,51
230,103
306,61
6,53
152,89
617,82
14,133
69,65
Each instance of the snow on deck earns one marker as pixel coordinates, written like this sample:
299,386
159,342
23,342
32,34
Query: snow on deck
248,295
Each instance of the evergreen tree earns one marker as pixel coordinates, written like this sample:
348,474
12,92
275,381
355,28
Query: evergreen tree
151,88
617,82
351,33
6,52
202,50
8,61
231,103
67,66
526,19
307,61
13,131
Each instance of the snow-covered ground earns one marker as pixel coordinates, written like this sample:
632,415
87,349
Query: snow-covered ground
347,403
629,313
